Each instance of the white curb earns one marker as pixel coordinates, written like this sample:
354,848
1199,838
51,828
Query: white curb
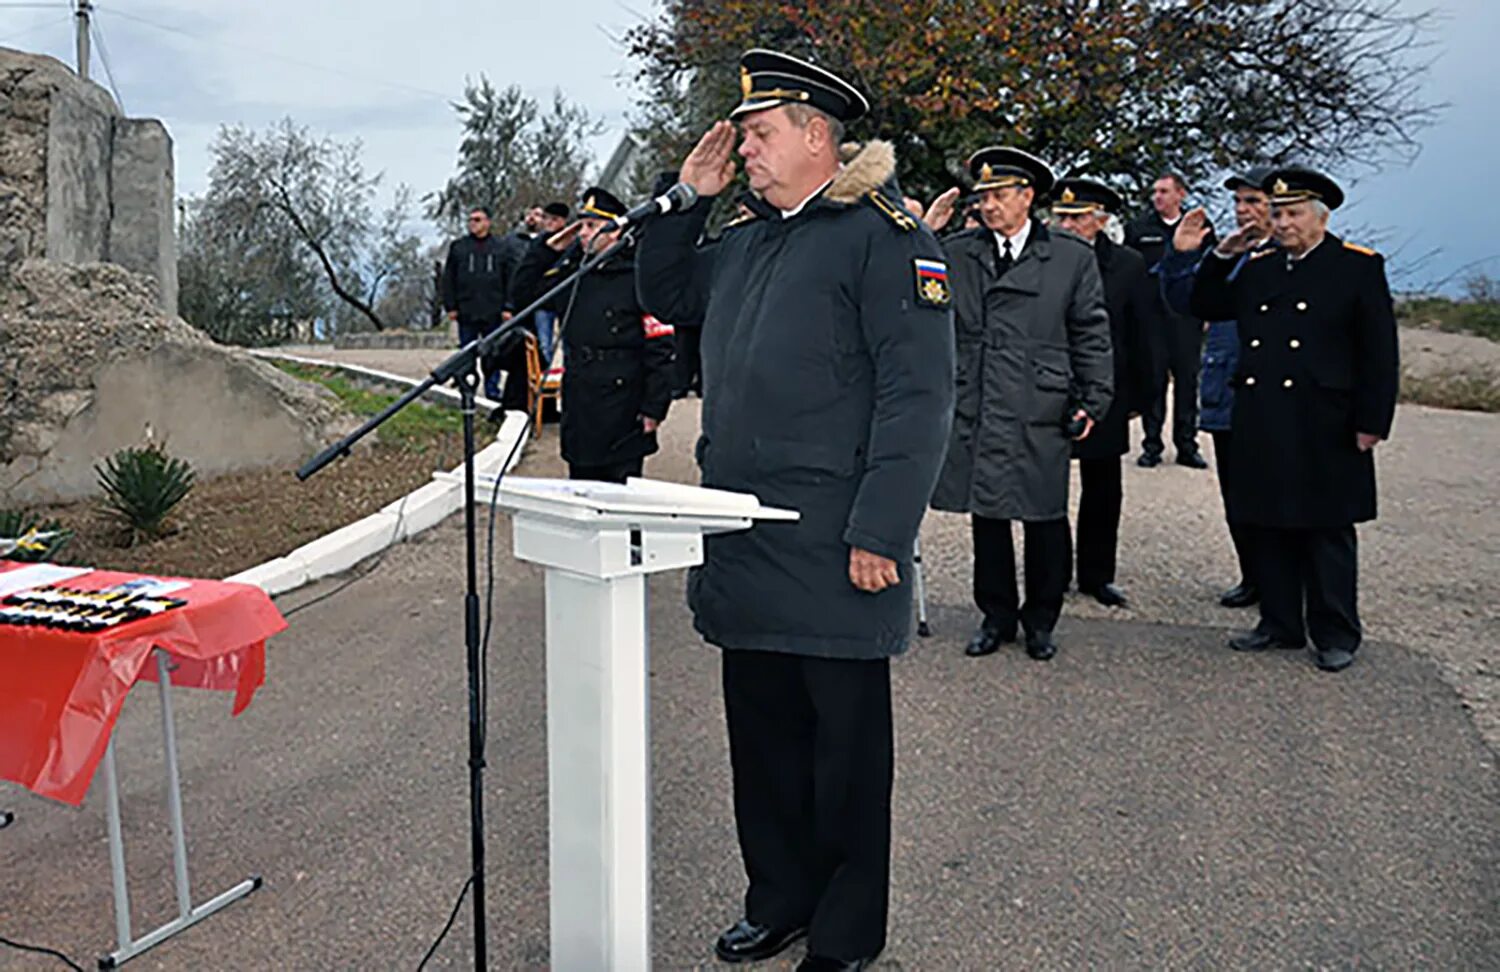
421,509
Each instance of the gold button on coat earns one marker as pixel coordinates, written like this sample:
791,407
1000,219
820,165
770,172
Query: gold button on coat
1255,342
1264,308
1250,380
1302,305
1287,383
1294,344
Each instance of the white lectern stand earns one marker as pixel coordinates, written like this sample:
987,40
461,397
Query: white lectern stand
598,541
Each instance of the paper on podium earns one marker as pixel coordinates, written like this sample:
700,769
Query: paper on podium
636,497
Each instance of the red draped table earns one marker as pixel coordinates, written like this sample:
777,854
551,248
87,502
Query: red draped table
61,692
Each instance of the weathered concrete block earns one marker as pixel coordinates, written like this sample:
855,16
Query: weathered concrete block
142,236
80,134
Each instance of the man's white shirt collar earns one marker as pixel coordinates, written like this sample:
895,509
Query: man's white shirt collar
1017,241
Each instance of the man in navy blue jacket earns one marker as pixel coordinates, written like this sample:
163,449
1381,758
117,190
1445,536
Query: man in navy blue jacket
1221,352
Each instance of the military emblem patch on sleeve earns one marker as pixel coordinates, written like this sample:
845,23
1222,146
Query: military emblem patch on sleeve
932,283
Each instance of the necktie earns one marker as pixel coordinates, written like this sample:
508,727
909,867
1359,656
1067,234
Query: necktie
1006,257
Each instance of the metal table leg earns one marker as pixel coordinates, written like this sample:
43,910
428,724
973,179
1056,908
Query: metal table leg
187,915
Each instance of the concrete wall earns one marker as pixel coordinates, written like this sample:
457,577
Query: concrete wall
80,136
142,234
187,397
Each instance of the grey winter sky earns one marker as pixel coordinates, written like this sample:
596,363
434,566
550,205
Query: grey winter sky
384,71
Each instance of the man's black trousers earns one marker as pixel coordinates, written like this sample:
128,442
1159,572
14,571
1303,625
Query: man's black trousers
1101,493
1184,341
1242,535
1312,570
1049,563
613,473
810,745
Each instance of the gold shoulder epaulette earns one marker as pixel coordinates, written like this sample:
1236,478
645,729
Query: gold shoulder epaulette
903,220
1359,249
741,220
1260,253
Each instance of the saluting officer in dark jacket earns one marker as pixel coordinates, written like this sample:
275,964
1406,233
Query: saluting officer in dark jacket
1083,207
1033,357
617,377
1315,391
827,389
1221,349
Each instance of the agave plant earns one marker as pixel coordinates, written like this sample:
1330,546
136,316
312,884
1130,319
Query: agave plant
17,523
141,487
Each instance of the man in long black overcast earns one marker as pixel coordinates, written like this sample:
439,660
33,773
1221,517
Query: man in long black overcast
1317,383
828,386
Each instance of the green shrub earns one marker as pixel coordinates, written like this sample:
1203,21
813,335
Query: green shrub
141,486
15,523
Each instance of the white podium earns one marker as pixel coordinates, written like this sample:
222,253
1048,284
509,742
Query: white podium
598,542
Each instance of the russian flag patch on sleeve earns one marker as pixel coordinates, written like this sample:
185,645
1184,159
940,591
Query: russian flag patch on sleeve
932,283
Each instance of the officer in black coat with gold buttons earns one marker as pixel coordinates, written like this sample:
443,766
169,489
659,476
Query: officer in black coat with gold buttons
1315,391
617,359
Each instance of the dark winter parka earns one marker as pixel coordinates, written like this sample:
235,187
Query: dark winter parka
476,280
1318,363
827,389
1133,316
1033,347
617,360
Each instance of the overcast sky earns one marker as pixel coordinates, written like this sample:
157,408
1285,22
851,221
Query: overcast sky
387,77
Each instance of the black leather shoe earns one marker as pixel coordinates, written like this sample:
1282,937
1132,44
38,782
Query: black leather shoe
1257,641
988,639
749,942
1148,460
1193,460
1107,594
1039,645
818,963
1334,660
1240,595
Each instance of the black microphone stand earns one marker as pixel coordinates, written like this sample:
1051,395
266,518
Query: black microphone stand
461,369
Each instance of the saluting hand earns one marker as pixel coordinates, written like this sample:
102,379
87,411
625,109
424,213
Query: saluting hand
1238,242
941,210
709,167
871,572
564,237
1191,231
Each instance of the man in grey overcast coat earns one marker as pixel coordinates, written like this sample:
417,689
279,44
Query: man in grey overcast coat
1035,369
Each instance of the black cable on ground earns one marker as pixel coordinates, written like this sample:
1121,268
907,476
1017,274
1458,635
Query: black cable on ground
41,950
452,915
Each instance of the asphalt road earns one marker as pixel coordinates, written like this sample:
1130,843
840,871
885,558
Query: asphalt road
1146,800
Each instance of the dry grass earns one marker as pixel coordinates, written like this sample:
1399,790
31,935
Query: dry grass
1472,388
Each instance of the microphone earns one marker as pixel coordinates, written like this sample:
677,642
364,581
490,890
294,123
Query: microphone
680,196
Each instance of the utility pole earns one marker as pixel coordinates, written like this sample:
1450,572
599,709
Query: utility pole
81,22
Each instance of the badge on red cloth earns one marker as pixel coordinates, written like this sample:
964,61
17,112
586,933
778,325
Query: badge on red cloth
932,283
655,328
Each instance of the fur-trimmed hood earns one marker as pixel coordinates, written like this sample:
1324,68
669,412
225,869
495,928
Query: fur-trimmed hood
866,167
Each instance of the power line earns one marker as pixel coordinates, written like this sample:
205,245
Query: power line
104,59
363,79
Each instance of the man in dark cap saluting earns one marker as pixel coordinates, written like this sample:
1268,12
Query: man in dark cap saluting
1316,390
1035,372
827,388
617,384
1083,207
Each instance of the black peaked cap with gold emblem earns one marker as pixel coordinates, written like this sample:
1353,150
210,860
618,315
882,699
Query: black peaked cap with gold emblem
998,167
1296,183
1084,196
601,204
769,79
